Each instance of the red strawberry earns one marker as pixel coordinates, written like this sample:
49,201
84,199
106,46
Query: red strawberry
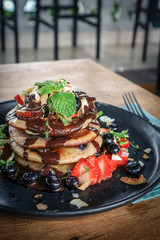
105,167
75,114
19,99
112,163
94,162
121,158
123,142
84,171
103,130
23,113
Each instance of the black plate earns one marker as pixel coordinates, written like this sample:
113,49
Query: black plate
100,197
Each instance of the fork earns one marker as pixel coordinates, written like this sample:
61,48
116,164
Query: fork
133,106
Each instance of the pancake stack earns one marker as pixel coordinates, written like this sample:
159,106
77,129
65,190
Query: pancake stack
54,126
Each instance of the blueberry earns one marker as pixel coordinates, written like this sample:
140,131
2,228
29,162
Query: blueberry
112,126
9,170
29,97
46,110
113,148
107,139
71,182
53,182
29,178
83,146
78,103
133,168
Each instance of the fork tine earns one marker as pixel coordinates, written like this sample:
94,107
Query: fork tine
134,105
139,107
130,105
126,103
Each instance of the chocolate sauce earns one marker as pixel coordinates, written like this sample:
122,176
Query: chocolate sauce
94,130
29,141
36,125
25,155
7,152
49,157
56,142
96,145
46,170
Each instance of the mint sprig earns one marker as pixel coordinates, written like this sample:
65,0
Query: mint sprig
49,86
64,103
118,135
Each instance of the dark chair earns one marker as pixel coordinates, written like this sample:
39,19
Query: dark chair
158,74
152,15
57,7
11,22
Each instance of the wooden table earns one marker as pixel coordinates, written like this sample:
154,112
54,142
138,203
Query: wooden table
140,221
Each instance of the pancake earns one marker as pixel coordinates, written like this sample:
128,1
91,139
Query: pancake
36,142
65,155
54,126
35,166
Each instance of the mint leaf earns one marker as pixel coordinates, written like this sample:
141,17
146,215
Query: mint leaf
47,82
50,86
63,119
64,103
46,89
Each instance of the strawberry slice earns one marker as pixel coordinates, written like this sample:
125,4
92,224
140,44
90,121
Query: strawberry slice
19,99
124,143
103,130
23,113
121,158
84,171
105,167
94,162
112,163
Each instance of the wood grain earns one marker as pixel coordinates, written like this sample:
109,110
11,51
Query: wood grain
139,221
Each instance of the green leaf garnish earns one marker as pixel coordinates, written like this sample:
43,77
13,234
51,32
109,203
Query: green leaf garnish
2,162
135,146
99,114
118,135
7,163
2,134
47,134
64,103
2,143
46,123
87,170
63,119
50,86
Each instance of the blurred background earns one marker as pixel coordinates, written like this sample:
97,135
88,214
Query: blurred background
116,19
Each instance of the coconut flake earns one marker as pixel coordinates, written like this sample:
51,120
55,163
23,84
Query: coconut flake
41,206
145,156
75,195
107,119
79,203
141,163
134,181
116,157
37,195
147,150
84,103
